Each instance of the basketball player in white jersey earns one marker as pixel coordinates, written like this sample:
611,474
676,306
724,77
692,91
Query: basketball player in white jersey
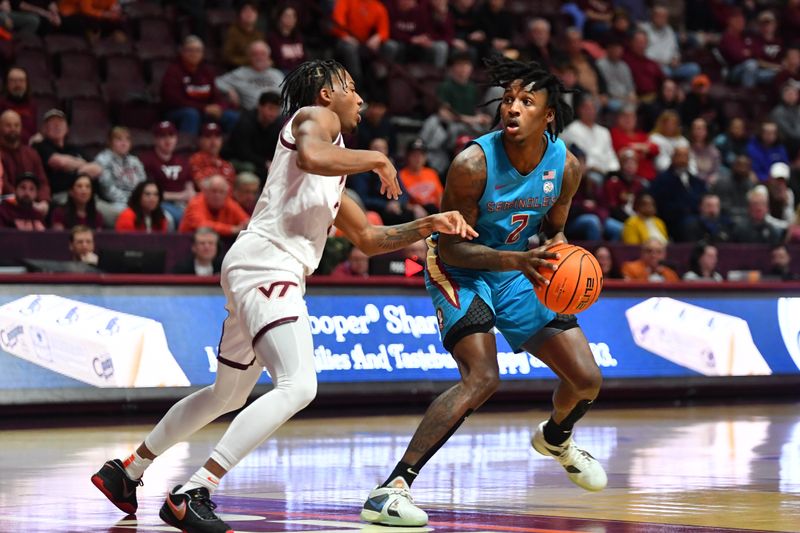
263,278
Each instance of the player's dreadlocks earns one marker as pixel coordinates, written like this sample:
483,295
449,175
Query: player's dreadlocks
301,86
503,72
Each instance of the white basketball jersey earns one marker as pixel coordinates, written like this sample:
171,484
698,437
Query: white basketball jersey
296,209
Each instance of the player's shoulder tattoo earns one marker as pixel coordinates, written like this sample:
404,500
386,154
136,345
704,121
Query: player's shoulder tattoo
470,168
572,167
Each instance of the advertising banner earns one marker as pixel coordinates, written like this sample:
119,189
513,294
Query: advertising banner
168,338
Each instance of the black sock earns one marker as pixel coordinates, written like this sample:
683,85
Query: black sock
403,470
554,434
557,433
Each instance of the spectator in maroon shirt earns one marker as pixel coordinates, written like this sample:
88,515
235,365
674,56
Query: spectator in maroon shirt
20,212
647,74
621,187
465,22
739,50
18,158
169,170
443,25
410,35
498,24
189,94
286,41
17,97
625,135
80,209
768,45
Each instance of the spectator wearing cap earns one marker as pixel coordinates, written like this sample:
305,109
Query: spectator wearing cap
625,135
458,113
700,104
188,91
62,161
17,97
593,139
662,46
286,41
170,170
368,187
360,27
765,149
781,196
18,158
246,189
121,172
240,35
251,144
410,35
739,51
206,161
422,183
376,122
245,84
617,75
20,212
786,116
647,74
214,208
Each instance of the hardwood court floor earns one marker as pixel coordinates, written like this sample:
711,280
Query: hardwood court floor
684,469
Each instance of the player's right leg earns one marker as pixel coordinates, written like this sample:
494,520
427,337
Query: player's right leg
466,321
118,479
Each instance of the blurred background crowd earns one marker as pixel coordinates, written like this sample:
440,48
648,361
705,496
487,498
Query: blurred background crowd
148,117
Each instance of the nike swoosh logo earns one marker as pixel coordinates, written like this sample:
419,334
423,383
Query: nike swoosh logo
179,511
412,472
377,503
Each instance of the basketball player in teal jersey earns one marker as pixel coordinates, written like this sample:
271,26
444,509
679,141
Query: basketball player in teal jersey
509,185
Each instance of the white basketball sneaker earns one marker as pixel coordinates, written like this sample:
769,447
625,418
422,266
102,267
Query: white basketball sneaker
393,506
582,469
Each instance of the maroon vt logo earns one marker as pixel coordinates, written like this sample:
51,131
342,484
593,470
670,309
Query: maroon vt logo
275,285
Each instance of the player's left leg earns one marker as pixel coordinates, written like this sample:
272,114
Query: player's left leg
562,346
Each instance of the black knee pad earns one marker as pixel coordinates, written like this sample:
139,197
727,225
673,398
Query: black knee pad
479,319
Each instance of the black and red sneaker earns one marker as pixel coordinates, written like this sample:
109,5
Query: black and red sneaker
120,490
192,512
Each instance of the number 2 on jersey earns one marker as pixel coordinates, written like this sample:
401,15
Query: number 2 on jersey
522,220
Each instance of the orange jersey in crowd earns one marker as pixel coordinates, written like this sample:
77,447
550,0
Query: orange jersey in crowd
198,215
92,8
361,19
424,187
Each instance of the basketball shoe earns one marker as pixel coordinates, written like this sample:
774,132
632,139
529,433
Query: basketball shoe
192,512
120,490
393,506
582,469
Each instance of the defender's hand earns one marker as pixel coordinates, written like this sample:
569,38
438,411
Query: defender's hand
390,187
453,223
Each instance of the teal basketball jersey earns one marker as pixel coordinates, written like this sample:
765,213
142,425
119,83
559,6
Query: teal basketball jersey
513,205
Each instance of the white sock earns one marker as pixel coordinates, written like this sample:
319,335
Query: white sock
135,465
201,478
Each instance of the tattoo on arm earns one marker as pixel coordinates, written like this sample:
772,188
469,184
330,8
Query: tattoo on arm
389,238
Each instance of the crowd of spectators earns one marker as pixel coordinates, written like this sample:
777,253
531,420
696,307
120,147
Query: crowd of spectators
686,114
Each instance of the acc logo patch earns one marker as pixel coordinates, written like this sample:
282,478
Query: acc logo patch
548,187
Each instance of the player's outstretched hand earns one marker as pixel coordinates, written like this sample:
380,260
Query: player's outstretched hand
532,260
385,170
453,223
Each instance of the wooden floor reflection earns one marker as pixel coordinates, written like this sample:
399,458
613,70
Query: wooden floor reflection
687,469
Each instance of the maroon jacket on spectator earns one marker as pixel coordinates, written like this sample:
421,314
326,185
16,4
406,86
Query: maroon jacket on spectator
171,175
288,51
647,74
768,50
27,112
442,28
182,88
736,48
21,218
409,23
23,159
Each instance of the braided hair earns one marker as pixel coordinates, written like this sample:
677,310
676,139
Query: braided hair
503,72
302,85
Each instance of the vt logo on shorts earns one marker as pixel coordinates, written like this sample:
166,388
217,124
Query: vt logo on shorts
274,286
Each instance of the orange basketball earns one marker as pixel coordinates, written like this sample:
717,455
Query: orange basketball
575,285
